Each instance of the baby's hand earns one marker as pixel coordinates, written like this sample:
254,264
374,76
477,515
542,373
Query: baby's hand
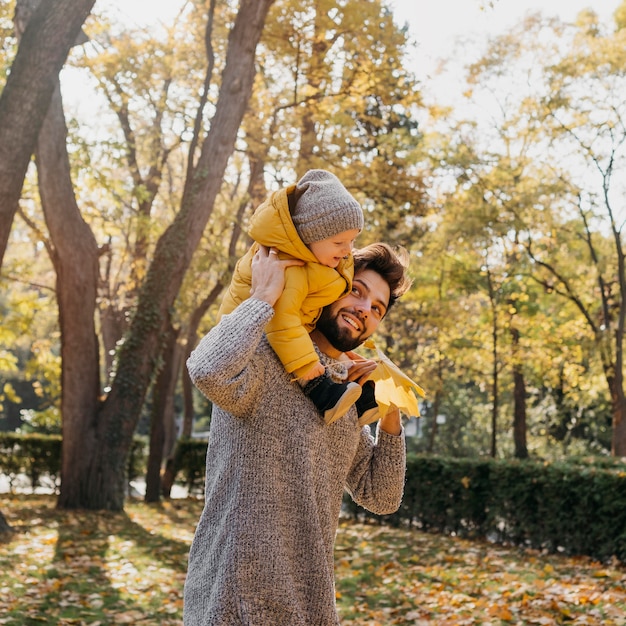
314,372
361,368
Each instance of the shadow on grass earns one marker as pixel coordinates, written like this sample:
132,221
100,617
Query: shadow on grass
91,567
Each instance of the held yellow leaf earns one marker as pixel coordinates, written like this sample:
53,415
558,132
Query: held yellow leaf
393,387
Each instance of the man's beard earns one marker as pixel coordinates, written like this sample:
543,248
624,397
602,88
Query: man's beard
340,338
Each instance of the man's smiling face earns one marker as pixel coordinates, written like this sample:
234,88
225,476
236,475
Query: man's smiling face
348,322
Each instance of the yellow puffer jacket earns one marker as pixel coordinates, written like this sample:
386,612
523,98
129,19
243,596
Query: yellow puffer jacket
308,288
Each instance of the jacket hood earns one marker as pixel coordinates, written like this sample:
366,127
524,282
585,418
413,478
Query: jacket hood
271,225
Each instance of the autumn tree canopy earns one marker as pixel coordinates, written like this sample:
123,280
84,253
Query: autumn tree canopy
127,229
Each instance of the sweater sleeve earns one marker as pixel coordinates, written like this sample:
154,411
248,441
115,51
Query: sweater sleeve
376,479
222,366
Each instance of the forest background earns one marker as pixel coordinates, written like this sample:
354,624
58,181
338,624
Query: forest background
129,220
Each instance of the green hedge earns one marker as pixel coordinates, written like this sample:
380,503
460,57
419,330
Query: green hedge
572,507
38,456
190,461
575,507
35,456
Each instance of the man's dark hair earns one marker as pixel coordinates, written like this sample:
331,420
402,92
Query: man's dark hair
390,263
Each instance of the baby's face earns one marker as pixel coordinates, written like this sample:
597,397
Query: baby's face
331,250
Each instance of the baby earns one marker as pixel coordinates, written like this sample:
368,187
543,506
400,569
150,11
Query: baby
315,220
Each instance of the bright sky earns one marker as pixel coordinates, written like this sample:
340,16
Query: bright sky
435,25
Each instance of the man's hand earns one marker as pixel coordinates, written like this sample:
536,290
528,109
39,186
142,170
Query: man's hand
268,274
391,422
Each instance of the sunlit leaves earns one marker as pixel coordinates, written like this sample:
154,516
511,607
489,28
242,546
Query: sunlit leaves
98,568
29,354
405,577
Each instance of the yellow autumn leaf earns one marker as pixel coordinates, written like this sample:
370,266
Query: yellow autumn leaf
501,612
393,387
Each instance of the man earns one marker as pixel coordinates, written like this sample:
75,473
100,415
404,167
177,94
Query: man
262,554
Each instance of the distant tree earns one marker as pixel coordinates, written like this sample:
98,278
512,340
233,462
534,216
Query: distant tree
570,116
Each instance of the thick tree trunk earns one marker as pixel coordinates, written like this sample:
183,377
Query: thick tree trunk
44,45
76,264
103,483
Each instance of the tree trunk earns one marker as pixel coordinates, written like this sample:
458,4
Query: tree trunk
519,398
256,192
494,412
102,485
169,416
5,528
314,74
24,101
75,258
519,417
619,431
494,375
171,468
434,427
618,402
190,344
112,326
162,394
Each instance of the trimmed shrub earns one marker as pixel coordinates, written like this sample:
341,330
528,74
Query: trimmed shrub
37,456
569,507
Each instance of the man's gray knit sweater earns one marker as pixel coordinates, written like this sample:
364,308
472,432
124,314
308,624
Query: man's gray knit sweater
262,554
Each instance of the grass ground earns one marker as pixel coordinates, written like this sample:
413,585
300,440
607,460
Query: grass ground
79,567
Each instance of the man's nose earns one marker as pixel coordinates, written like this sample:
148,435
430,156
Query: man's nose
364,307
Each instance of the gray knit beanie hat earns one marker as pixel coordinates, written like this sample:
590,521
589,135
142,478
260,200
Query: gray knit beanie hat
324,207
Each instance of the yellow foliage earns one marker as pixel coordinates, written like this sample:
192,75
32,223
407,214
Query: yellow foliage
9,393
8,361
